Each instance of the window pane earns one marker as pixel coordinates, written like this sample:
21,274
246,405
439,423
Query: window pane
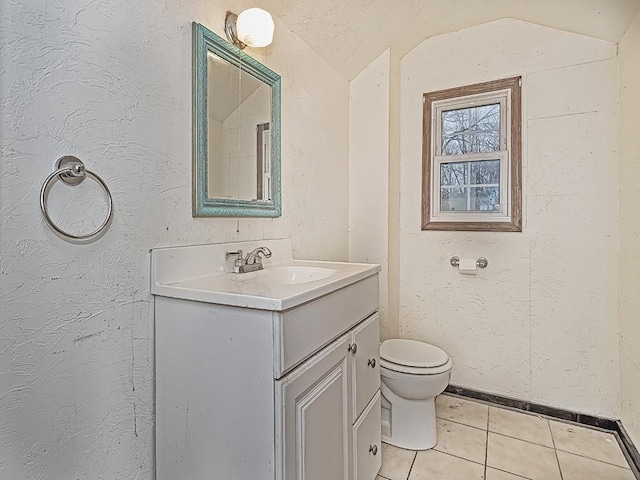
485,199
455,145
485,172
471,130
453,199
454,173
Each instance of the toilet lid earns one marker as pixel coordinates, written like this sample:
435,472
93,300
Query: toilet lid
412,353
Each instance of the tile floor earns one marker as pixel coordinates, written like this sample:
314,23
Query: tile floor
478,441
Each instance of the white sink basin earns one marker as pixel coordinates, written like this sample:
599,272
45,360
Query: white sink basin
201,273
288,275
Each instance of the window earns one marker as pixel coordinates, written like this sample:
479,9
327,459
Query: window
471,163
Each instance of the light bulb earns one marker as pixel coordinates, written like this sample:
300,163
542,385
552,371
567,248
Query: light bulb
255,27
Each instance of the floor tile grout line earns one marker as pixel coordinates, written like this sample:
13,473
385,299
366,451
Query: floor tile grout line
486,444
415,455
626,455
550,418
510,473
522,440
459,423
459,457
590,458
582,426
454,456
555,450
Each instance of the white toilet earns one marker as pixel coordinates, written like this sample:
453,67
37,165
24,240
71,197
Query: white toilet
413,373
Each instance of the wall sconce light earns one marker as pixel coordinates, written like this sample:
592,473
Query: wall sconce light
253,27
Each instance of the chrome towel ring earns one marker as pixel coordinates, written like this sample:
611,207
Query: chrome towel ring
71,171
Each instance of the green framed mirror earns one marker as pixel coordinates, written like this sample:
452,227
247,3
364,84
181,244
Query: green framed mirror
236,131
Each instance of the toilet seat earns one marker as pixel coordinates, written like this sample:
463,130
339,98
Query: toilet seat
389,368
412,354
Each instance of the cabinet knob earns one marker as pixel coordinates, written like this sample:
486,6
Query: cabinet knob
353,348
373,449
372,362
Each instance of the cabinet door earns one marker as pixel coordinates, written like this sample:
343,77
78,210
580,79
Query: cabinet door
368,443
367,363
314,416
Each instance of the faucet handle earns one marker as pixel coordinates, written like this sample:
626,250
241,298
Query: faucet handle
228,255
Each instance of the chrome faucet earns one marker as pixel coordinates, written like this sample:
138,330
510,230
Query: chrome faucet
251,263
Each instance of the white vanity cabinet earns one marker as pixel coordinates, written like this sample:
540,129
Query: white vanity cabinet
366,394
326,432
314,416
253,394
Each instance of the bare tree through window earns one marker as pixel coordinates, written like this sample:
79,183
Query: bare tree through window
472,185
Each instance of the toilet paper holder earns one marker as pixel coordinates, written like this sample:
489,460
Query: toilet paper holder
480,262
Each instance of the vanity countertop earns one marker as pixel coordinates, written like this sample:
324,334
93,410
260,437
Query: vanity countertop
271,288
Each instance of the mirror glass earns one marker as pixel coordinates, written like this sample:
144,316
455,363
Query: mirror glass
236,131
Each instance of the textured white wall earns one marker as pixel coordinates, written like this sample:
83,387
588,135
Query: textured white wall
540,323
629,53
369,174
110,82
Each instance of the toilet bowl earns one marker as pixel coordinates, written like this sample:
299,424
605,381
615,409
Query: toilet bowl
412,375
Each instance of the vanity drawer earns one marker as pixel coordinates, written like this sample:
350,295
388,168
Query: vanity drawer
366,376
368,443
304,330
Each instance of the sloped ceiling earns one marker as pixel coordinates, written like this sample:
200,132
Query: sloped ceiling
227,89
349,34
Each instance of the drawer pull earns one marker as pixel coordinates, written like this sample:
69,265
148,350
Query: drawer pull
372,363
373,449
353,348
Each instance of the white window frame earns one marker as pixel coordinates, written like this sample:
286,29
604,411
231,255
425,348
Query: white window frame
501,97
